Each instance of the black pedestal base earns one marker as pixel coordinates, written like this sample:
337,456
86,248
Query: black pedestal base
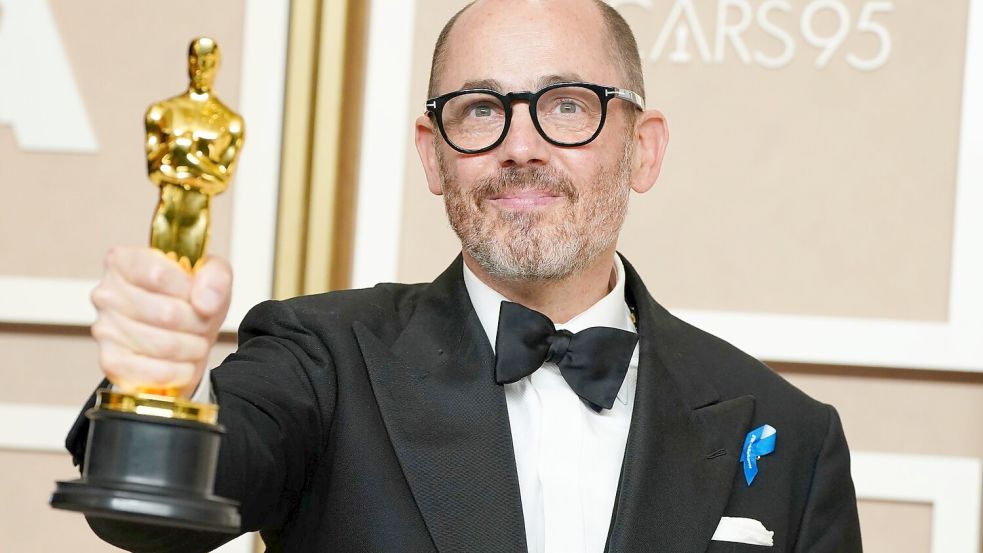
152,470
148,507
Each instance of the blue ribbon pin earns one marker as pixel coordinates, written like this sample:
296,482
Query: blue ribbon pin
757,443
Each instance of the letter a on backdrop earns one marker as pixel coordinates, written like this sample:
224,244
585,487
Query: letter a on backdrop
39,98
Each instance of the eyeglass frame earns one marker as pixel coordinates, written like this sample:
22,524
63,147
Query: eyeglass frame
605,94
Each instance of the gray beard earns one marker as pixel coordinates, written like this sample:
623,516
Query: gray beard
519,246
528,253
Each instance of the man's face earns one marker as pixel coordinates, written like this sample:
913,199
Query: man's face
529,210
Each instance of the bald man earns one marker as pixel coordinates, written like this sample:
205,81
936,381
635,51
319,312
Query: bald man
534,397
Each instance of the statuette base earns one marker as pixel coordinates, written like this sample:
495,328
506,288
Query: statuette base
150,469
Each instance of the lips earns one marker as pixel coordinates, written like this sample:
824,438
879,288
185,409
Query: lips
524,199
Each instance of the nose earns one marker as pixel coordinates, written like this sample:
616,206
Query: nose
523,145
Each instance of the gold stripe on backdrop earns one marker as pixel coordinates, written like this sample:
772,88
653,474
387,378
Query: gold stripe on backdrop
320,146
295,154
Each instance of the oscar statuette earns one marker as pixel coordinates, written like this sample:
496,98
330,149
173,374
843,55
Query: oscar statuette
151,455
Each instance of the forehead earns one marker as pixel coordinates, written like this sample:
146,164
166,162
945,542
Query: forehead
521,43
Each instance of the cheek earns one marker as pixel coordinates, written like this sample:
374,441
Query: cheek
583,165
471,168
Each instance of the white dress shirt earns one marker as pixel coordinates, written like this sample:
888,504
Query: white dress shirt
568,457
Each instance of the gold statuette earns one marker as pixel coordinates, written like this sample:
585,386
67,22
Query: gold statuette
151,456
193,141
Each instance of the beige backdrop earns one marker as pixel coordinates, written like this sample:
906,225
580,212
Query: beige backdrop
795,190
119,73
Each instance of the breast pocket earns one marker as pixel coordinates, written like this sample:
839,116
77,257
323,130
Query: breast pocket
732,547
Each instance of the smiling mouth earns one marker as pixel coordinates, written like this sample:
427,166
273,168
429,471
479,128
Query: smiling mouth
524,199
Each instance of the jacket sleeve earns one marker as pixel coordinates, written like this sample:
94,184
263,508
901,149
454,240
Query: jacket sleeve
276,397
830,523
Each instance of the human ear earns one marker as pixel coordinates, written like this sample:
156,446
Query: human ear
426,146
651,137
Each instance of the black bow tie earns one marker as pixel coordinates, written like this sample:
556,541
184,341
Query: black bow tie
593,361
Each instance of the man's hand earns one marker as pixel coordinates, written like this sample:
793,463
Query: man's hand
157,323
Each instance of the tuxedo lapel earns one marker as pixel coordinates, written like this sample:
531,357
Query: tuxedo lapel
683,443
448,421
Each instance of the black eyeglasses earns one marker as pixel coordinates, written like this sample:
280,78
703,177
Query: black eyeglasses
476,120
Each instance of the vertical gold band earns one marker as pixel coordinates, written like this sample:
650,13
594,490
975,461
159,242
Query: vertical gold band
320,146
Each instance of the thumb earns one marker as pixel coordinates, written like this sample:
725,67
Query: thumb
212,287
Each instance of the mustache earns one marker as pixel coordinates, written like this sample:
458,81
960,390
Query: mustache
511,179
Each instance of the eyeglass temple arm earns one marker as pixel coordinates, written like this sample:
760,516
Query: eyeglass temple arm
627,95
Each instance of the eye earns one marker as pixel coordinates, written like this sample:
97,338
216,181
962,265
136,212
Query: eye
481,110
568,106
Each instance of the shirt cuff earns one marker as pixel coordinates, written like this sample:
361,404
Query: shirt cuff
203,394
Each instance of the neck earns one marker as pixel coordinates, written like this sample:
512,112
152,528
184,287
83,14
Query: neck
560,300
200,90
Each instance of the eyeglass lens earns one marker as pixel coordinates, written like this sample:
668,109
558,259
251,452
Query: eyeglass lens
567,115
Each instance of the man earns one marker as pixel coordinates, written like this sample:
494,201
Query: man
440,417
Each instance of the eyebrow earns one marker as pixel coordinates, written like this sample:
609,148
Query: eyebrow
494,84
560,78
490,84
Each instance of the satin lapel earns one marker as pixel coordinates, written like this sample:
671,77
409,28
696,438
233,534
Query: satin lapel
448,421
683,443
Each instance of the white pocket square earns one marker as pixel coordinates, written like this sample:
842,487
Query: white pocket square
743,530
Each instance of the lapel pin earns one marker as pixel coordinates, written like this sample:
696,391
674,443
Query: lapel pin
757,443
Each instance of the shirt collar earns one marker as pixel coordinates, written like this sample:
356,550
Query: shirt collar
611,310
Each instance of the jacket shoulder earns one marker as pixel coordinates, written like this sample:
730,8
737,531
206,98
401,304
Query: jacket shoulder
385,308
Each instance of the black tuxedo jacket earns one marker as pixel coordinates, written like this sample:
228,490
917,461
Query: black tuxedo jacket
370,421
